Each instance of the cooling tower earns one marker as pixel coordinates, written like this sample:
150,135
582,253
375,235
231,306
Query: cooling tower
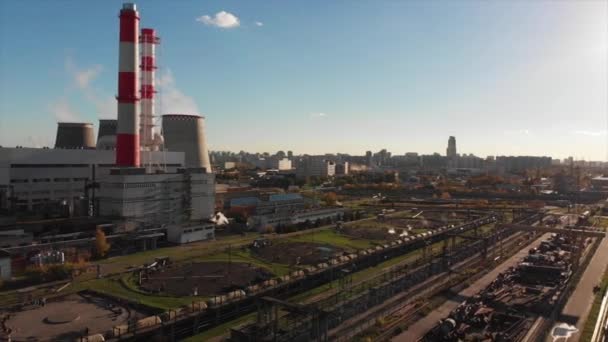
106,137
75,135
186,133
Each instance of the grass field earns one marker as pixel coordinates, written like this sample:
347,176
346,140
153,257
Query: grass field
329,236
587,332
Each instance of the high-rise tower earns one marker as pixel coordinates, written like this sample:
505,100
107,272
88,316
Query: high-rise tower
451,150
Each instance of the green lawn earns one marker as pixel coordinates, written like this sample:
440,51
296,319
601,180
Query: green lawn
329,236
587,332
128,289
115,288
176,253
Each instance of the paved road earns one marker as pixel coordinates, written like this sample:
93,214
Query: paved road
577,308
418,329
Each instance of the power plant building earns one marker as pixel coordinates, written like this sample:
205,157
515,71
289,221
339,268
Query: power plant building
163,198
171,186
32,177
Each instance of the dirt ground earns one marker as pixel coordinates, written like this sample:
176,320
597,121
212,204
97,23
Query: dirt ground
209,278
34,323
309,253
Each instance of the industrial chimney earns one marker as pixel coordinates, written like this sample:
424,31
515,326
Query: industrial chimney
106,136
186,133
148,40
127,138
75,135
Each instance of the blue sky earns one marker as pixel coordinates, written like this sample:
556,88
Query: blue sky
504,77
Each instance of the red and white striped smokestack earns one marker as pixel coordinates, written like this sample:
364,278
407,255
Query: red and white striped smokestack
127,137
148,40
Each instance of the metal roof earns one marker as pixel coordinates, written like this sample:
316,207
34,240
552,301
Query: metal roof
244,201
284,197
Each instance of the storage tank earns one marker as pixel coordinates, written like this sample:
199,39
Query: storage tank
75,135
106,136
186,133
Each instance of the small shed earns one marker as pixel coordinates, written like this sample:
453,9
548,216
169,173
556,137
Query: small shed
5,265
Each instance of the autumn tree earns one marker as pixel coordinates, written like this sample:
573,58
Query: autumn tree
330,198
101,243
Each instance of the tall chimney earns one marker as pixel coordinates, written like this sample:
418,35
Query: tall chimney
148,40
127,137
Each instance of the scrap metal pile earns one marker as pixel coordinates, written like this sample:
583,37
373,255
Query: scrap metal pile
506,308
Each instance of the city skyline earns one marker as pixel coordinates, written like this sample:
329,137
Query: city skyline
504,78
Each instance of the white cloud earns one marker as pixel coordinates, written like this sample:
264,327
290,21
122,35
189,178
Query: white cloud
172,99
221,19
518,132
259,24
82,78
591,133
63,111
318,115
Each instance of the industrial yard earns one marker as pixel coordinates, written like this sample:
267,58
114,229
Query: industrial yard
67,318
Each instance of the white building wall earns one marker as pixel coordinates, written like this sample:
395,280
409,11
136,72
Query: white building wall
283,164
38,175
180,234
158,198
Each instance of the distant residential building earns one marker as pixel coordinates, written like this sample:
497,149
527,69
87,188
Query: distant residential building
433,162
281,164
369,158
521,163
451,150
469,162
229,165
342,168
315,167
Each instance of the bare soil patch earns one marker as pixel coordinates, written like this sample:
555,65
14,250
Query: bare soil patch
207,278
292,253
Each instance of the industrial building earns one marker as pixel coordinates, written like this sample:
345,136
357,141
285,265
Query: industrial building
33,177
599,183
133,172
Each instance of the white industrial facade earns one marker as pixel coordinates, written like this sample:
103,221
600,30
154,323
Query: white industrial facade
34,176
190,233
163,198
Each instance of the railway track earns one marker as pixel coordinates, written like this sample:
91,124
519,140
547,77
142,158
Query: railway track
409,310
184,326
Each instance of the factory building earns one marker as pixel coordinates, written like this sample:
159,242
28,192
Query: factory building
131,173
162,198
32,177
